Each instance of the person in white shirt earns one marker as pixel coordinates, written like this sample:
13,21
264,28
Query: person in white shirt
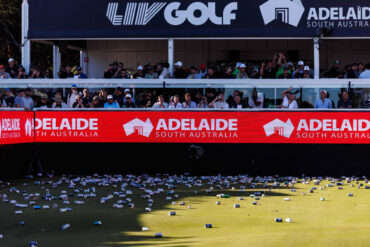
175,104
165,72
219,102
71,99
160,103
289,101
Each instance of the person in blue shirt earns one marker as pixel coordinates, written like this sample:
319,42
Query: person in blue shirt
323,102
80,74
111,104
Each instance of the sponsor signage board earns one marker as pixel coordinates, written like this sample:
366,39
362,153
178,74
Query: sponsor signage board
16,127
192,18
203,127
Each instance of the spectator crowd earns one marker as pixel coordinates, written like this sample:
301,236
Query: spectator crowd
278,67
124,98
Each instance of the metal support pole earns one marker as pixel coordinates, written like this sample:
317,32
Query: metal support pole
83,64
171,51
316,55
56,61
26,48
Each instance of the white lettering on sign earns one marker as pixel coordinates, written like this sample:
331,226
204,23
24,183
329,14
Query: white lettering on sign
194,125
338,13
10,124
67,124
140,14
333,125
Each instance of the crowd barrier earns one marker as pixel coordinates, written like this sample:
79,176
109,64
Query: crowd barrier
200,126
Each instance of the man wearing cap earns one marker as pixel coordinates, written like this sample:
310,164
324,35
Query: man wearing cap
80,74
242,74
323,102
180,73
306,73
151,74
11,68
139,74
110,104
7,99
128,102
3,74
298,73
71,98
202,71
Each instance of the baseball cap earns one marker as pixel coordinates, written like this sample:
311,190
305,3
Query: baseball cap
2,67
74,86
178,64
238,64
242,66
323,90
78,68
127,90
128,96
300,63
306,68
140,67
110,97
290,64
202,66
44,96
11,60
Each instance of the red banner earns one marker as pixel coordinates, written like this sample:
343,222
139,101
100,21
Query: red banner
203,127
16,127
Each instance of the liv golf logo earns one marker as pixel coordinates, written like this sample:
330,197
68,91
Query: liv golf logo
141,13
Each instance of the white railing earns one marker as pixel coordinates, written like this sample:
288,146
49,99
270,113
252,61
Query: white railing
186,83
